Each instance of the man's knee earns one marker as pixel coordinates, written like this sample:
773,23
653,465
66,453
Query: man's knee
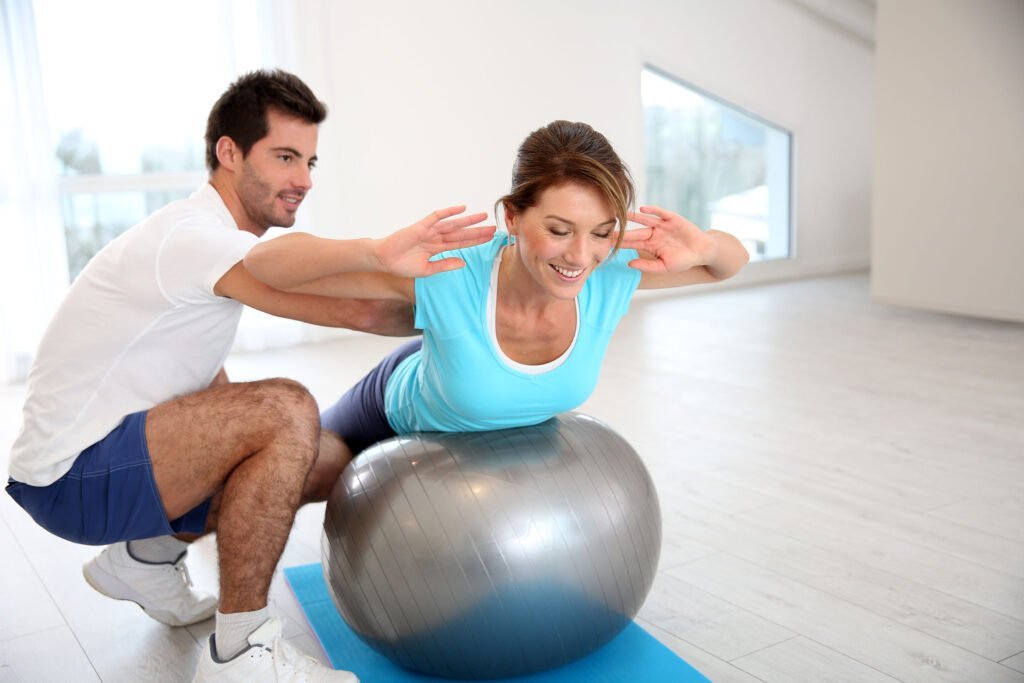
289,401
197,441
283,411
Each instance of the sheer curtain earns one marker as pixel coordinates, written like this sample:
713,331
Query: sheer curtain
33,267
240,34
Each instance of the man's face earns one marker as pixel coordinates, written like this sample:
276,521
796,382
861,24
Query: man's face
275,176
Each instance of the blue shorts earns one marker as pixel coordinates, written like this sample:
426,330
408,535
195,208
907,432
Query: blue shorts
359,417
108,495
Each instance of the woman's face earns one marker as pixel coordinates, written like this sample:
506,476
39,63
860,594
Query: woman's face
563,238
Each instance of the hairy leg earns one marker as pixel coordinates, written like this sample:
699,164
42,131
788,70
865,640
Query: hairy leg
330,463
252,446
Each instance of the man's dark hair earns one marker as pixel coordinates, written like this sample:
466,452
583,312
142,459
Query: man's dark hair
241,112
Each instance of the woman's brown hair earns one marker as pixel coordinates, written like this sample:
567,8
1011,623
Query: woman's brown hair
567,152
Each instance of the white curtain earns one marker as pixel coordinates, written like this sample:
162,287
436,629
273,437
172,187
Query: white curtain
33,267
33,256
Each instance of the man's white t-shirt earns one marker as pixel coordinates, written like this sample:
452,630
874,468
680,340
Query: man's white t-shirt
138,327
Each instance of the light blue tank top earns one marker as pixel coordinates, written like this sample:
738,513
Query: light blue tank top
461,380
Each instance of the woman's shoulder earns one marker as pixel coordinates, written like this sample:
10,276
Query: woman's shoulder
472,279
607,293
478,258
616,268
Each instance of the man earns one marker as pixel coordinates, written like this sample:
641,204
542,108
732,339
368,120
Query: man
133,435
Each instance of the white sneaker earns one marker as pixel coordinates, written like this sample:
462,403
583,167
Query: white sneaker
163,590
269,658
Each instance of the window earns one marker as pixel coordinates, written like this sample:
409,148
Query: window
127,109
721,167
104,110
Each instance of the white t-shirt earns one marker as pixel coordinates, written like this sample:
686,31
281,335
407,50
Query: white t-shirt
139,326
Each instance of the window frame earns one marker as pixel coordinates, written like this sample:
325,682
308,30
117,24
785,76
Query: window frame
791,137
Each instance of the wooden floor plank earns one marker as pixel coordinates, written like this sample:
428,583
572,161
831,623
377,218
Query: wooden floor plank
958,621
711,667
50,656
706,621
25,603
845,536
1016,662
800,660
864,636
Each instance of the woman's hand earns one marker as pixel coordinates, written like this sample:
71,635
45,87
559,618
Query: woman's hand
675,244
407,252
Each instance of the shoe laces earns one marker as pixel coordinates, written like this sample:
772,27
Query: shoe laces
288,658
182,570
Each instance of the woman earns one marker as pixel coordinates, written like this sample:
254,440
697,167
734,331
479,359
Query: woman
514,330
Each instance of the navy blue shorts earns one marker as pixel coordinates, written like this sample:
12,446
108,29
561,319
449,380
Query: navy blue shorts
108,495
359,417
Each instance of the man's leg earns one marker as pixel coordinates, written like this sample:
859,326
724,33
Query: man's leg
151,571
256,442
257,445
239,449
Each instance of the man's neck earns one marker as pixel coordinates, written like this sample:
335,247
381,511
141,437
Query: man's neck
229,195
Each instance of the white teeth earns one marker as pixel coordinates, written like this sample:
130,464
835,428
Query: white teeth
566,272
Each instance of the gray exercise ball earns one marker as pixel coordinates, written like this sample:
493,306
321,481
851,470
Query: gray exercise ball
492,554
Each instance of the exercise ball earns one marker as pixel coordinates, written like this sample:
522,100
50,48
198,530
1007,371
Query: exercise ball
492,554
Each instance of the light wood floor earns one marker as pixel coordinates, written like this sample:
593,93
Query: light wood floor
842,487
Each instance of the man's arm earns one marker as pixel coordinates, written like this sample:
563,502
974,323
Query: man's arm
391,318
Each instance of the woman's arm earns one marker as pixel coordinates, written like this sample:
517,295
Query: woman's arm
301,263
674,252
366,268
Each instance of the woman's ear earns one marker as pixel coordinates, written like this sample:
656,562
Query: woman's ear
511,222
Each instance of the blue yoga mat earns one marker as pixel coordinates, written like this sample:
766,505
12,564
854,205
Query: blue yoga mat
634,655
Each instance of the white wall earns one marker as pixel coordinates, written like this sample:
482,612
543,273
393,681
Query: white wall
430,100
948,229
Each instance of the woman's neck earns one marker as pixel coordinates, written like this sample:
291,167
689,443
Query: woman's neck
531,326
519,291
